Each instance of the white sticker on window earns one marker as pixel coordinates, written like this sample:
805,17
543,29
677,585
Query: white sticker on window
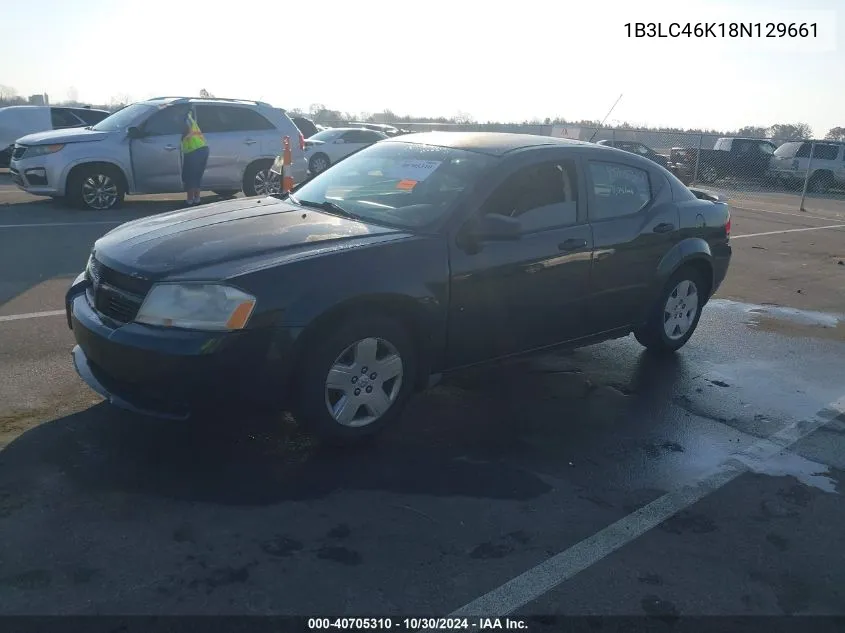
416,170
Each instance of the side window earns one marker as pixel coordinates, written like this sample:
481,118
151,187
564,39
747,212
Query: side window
91,117
354,136
826,152
803,151
371,137
619,190
542,196
246,120
765,148
642,150
210,120
64,118
169,120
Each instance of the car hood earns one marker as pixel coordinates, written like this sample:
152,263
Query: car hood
72,135
181,241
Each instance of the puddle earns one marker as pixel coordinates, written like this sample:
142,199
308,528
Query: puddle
788,321
788,464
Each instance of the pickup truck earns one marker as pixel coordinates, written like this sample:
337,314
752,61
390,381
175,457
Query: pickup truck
736,157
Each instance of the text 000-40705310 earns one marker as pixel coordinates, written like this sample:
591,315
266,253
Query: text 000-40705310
722,29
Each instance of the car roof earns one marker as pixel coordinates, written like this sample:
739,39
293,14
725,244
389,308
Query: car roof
492,143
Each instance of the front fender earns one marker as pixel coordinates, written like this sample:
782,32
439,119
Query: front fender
119,164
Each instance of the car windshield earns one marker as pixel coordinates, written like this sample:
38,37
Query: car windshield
122,119
405,185
787,149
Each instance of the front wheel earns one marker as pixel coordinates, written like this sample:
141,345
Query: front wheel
356,378
675,316
97,188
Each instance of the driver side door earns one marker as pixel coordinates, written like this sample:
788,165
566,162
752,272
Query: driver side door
156,156
514,295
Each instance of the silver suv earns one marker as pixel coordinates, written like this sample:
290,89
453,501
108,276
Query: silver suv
137,151
791,160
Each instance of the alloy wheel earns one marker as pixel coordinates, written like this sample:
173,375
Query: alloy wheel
364,382
267,182
100,192
680,310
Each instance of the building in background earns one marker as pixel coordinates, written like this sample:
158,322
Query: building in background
42,99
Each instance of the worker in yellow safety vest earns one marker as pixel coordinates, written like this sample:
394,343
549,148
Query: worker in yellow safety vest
194,158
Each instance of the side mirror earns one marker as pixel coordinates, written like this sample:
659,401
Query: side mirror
494,226
134,132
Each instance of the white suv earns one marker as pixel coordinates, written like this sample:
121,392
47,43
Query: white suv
137,151
791,160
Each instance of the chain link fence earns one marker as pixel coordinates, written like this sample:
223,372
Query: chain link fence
744,169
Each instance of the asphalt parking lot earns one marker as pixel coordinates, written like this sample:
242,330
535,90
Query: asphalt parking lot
599,482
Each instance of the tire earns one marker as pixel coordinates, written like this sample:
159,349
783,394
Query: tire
226,194
337,346
96,188
319,163
260,181
653,335
820,182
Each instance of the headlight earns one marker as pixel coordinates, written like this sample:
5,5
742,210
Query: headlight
41,150
196,306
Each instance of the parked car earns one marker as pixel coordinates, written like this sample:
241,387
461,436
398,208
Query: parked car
389,130
791,160
137,151
414,256
306,126
736,157
18,121
326,148
637,148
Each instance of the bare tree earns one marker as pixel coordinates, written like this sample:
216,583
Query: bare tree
7,93
836,134
463,117
205,94
119,101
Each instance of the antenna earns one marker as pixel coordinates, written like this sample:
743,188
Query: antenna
605,119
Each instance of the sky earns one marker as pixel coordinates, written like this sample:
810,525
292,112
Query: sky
502,61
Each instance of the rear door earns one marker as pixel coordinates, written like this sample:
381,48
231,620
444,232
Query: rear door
353,140
157,157
634,222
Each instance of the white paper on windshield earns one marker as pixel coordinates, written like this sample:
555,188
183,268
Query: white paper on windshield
415,170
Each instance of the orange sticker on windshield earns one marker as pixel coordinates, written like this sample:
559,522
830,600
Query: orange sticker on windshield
406,184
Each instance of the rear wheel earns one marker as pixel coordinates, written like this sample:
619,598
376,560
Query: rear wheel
96,187
259,180
318,163
676,313
355,378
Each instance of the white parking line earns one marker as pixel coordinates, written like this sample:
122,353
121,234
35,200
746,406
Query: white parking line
31,315
40,224
812,228
537,581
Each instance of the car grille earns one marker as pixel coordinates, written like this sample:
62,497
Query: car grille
18,152
116,295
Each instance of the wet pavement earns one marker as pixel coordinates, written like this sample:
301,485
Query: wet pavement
487,476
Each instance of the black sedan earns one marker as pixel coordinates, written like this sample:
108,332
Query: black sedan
415,256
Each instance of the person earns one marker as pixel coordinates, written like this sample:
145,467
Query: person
194,157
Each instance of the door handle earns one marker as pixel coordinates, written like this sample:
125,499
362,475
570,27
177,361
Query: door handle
664,227
170,148
572,244
250,141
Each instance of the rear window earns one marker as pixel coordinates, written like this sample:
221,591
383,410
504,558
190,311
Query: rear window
788,150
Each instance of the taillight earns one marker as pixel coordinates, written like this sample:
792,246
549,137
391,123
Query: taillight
301,142
728,225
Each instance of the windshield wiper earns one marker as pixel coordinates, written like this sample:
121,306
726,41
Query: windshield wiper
327,206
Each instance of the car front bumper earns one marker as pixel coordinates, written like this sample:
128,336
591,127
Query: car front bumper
40,175
173,373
